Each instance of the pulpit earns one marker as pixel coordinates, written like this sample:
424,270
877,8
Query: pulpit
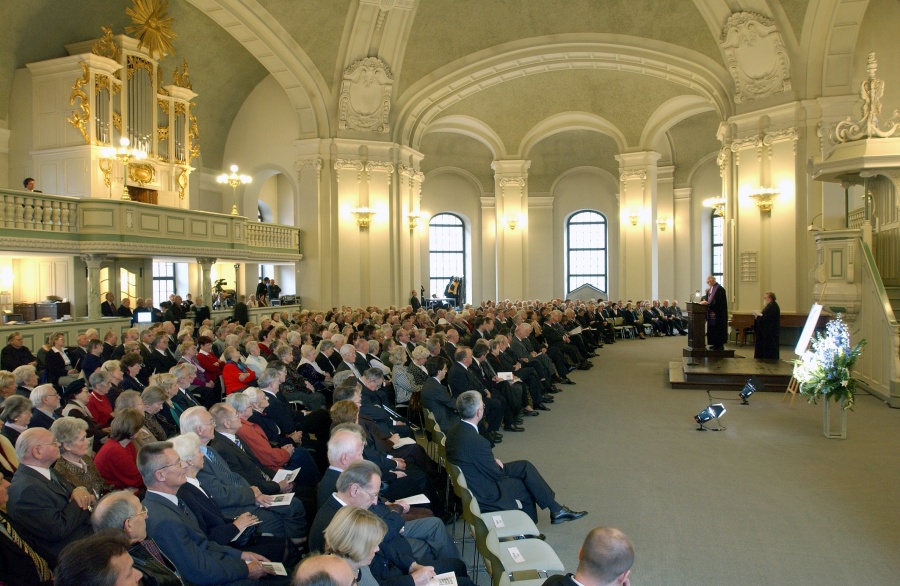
697,335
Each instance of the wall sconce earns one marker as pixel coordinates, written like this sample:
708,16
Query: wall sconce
124,154
764,199
717,203
661,224
363,216
415,218
233,179
634,219
512,222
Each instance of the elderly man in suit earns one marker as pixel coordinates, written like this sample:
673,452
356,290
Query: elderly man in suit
499,486
605,559
461,379
45,400
47,510
174,527
20,562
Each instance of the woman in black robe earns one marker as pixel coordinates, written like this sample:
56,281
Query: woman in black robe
767,327
717,316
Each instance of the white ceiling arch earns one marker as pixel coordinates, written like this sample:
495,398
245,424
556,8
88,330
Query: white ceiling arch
425,100
261,34
670,113
468,175
565,121
471,127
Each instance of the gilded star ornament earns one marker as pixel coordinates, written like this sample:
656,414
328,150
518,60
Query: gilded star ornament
153,26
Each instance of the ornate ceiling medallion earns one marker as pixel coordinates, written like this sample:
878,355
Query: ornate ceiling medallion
153,26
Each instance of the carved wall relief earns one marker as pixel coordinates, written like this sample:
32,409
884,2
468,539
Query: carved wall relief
366,96
756,57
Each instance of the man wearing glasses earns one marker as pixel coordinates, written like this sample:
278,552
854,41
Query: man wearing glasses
47,510
174,527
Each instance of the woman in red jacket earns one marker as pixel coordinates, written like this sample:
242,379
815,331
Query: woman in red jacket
236,375
117,459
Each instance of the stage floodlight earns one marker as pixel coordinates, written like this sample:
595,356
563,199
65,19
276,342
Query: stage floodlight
753,385
711,412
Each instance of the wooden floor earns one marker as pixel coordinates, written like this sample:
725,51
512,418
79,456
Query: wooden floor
729,373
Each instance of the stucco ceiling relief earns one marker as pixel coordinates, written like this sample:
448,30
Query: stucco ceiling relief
365,101
756,57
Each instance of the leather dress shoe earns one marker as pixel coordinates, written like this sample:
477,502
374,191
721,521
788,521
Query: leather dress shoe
496,438
542,407
584,366
566,514
531,413
513,428
549,400
518,421
568,381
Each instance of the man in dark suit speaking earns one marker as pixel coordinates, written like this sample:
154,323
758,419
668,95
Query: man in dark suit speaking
499,486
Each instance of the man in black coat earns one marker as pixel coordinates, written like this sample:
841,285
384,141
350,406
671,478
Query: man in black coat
20,562
605,559
108,307
717,315
436,397
768,330
499,486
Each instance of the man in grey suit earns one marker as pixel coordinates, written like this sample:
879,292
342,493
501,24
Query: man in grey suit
175,530
49,512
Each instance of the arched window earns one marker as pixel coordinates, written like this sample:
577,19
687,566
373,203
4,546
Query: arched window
586,250
446,251
717,228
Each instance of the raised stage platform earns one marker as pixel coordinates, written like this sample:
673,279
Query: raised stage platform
729,373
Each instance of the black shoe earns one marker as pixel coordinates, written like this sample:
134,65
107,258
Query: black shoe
555,389
531,413
566,514
542,407
584,366
568,381
513,428
548,400
518,421
573,367
555,378
497,438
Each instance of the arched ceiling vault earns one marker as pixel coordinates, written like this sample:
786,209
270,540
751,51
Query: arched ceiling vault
425,100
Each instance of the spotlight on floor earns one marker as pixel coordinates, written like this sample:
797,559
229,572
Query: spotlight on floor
711,412
753,385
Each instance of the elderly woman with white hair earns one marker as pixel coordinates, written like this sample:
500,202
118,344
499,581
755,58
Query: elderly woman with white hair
15,415
403,377
256,442
75,463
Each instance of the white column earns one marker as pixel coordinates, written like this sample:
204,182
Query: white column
206,279
94,263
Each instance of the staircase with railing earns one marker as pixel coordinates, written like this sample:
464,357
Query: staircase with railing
878,368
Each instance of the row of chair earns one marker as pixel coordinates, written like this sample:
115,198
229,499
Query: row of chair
508,543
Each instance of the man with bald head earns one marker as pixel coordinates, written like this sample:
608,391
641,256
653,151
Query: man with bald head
47,510
323,570
605,559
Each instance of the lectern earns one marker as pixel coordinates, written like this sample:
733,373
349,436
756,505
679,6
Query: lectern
697,335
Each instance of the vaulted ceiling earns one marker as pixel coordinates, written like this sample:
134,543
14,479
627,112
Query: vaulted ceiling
475,79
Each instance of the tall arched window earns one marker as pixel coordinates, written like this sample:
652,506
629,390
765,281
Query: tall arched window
586,250
446,251
717,227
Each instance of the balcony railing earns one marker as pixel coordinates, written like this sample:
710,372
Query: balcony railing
41,222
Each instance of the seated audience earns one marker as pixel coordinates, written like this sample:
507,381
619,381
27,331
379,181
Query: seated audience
26,379
16,415
57,364
98,403
45,403
324,570
235,374
15,353
117,459
101,559
22,565
354,535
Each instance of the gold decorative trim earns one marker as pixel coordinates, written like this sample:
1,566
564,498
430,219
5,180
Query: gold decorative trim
80,119
163,106
193,135
116,87
142,173
152,26
179,108
117,121
159,82
101,82
106,46
182,181
182,78
162,133
135,63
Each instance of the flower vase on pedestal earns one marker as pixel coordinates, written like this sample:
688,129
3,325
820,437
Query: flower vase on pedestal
834,426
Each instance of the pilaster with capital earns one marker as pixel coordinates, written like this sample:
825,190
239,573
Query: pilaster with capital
412,221
94,263
511,222
638,235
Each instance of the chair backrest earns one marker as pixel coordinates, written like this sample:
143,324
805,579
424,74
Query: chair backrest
487,543
441,440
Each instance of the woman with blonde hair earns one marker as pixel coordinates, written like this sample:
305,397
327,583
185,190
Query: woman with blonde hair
171,411
354,535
